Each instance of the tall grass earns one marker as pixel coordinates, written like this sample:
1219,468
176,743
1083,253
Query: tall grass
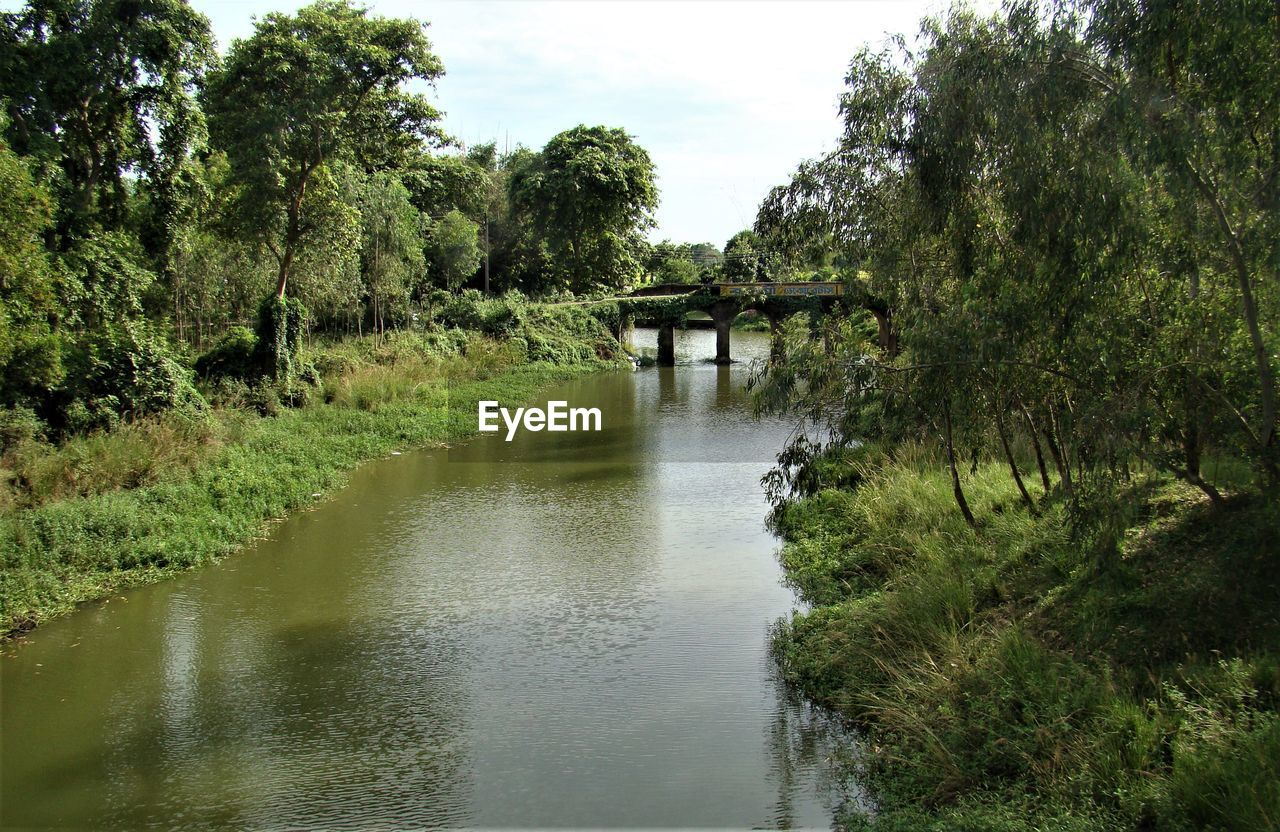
1007,680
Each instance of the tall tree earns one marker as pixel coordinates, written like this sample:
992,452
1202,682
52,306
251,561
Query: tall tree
454,250
305,90
1203,83
589,194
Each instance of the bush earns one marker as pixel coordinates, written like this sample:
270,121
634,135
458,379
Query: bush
126,372
496,317
232,356
19,425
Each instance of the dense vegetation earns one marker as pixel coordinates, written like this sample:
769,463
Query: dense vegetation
1035,509
160,199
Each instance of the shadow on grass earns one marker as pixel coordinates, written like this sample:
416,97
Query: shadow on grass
1192,585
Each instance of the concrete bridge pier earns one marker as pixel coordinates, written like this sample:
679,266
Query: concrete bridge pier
722,314
666,345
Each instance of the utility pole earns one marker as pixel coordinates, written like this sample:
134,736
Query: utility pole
486,254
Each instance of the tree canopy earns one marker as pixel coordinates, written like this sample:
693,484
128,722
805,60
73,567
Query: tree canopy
1063,220
305,90
589,194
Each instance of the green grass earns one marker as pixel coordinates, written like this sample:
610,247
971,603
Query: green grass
1008,678
150,500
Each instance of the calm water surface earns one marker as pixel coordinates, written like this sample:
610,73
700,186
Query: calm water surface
570,630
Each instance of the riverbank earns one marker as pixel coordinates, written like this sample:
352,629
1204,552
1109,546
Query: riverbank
99,513
1020,676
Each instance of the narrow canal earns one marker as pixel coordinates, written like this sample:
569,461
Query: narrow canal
570,630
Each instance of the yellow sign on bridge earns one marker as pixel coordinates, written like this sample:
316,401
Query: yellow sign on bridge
788,290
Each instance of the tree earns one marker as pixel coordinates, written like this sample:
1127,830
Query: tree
304,91
218,279
1060,222
670,263
518,258
1202,85
30,353
391,252
705,255
454,250
439,184
99,91
589,194
744,258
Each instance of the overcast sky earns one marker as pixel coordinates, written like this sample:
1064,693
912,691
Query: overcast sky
726,97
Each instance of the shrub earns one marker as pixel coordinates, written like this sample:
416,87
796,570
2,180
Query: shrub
232,356
19,425
496,317
126,372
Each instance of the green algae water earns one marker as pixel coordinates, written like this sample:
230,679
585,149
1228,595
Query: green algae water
566,630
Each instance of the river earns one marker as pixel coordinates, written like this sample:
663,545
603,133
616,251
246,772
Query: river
568,630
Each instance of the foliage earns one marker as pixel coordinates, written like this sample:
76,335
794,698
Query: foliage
1061,221
668,263
100,92
558,335
305,90
1036,272
997,667
30,353
588,194
440,184
745,259
454,250
122,373
279,339
391,245
218,278
234,355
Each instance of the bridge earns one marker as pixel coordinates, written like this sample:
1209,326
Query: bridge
723,302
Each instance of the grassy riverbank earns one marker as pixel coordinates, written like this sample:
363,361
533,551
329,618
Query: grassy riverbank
1019,676
93,514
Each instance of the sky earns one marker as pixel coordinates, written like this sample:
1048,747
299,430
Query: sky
727,97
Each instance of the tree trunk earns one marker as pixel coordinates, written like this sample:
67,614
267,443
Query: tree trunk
1195,479
1059,457
293,231
1266,434
282,276
956,489
1035,443
1013,465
